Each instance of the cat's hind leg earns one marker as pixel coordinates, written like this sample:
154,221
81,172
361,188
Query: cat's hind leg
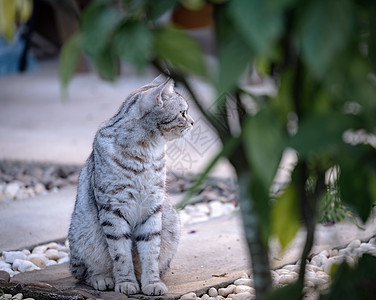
170,236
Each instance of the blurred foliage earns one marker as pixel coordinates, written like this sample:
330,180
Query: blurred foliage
13,12
322,56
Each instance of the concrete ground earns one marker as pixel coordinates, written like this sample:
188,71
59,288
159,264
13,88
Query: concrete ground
37,125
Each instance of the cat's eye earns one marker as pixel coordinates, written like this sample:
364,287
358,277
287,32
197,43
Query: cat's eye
184,113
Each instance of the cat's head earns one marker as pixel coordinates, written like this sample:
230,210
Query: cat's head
164,109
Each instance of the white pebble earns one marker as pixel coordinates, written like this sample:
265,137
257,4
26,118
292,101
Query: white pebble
372,241
326,253
63,248
226,291
365,247
39,256
26,252
184,217
63,260
354,244
11,256
285,279
310,274
282,271
12,189
319,260
212,292
189,296
331,261
39,250
312,268
309,284
244,281
219,297
39,188
51,245
294,268
7,296
242,296
24,265
228,208
51,263
39,262
244,288
52,254
216,209
205,297
4,264
18,296
9,271
333,252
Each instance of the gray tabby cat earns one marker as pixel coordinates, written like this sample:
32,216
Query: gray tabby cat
123,230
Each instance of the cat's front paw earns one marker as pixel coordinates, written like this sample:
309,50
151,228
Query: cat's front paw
154,289
127,287
102,282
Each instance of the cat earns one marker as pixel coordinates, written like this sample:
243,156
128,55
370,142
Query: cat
123,230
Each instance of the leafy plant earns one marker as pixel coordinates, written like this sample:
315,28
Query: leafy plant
322,55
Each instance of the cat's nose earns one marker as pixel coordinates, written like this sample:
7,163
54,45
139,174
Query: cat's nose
192,123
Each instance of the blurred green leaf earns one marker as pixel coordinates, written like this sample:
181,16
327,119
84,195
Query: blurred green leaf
108,64
180,49
320,132
193,4
354,184
250,17
234,57
291,292
156,9
325,28
133,43
357,282
372,36
7,18
285,216
69,57
264,143
98,22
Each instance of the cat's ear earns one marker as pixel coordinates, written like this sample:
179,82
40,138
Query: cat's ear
165,89
161,78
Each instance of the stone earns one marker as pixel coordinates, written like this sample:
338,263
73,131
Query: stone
184,217
310,274
4,276
219,297
39,188
62,254
7,296
354,244
51,263
26,252
244,281
51,245
24,265
12,189
216,209
39,250
309,284
228,208
62,248
203,208
331,261
372,241
226,291
18,296
242,296
52,254
333,252
38,261
11,256
244,288
213,292
63,260
9,271
294,268
319,260
39,256
365,247
205,297
326,253
4,264
282,271
189,296
285,279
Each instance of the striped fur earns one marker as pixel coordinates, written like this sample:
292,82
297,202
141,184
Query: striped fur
124,232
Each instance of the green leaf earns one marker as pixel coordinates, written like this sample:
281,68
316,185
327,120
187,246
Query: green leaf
180,49
259,23
7,18
290,292
319,132
354,182
264,144
325,30
98,22
285,216
133,43
156,9
372,36
234,57
69,57
108,64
